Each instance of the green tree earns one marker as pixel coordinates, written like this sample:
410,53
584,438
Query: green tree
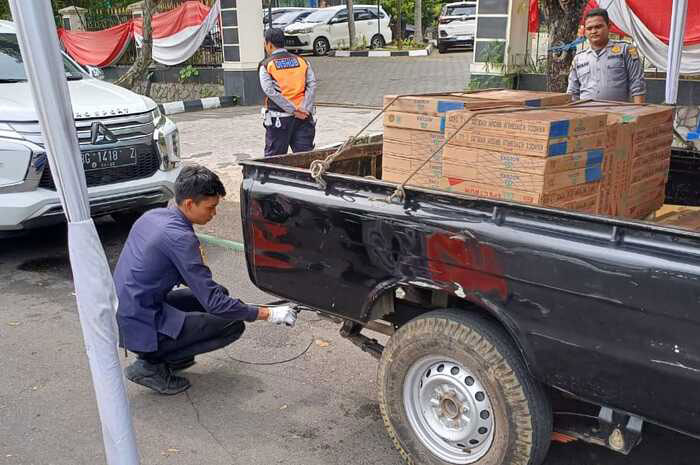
430,10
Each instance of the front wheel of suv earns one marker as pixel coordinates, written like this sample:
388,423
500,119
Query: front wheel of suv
442,48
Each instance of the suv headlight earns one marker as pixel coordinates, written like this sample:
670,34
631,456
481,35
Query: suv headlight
167,141
21,165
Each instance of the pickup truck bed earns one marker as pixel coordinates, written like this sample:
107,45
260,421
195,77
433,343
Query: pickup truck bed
603,309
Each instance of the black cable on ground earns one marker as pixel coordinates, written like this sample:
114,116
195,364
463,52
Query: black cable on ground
273,363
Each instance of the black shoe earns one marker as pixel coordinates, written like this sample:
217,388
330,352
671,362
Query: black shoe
157,377
183,363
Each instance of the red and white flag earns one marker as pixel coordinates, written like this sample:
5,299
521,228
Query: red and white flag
177,34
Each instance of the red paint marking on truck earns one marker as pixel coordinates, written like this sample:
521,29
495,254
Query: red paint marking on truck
472,265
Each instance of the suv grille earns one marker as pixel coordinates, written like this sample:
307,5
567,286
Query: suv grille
147,163
134,128
131,130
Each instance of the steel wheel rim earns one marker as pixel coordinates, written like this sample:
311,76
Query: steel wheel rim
448,409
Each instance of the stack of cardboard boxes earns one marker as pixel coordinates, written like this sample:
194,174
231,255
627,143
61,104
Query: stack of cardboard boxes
638,154
545,156
414,128
598,157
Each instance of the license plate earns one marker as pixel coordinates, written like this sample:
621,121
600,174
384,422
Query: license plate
464,37
108,158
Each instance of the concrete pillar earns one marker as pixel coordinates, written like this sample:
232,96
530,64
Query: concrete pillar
243,44
136,9
500,44
73,18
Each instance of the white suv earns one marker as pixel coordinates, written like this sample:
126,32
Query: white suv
327,28
456,25
130,151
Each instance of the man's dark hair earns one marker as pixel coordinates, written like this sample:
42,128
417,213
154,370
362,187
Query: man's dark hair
275,36
598,12
197,182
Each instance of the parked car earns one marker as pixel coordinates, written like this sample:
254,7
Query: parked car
130,151
291,17
277,12
327,28
457,25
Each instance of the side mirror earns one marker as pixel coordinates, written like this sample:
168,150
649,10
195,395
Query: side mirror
95,72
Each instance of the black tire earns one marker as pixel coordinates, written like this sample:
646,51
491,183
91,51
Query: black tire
321,46
442,48
377,41
515,399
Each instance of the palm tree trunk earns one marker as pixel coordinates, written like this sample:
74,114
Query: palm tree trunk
562,18
351,23
418,37
138,70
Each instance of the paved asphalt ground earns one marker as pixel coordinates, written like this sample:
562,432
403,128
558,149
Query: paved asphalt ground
319,409
365,81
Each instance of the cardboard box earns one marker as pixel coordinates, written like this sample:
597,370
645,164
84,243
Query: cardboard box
558,197
650,170
651,158
643,209
642,135
653,145
456,155
437,105
412,150
414,121
407,165
522,181
527,146
413,137
419,180
524,97
643,116
587,204
539,124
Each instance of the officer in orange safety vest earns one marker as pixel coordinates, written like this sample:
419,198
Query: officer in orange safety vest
290,89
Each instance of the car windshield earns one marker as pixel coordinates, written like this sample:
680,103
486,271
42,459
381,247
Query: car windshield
288,17
12,66
320,16
460,10
275,15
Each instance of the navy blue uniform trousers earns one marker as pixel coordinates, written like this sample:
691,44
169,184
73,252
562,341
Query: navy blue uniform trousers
201,333
295,133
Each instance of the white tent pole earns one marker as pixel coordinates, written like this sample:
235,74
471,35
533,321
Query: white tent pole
94,288
675,49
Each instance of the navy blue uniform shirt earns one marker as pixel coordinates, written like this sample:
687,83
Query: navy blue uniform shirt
161,252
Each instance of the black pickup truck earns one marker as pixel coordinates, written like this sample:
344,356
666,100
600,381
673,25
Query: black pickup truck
490,307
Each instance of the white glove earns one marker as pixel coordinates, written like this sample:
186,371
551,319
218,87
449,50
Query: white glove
282,314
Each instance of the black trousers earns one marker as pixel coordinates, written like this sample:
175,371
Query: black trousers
202,332
296,133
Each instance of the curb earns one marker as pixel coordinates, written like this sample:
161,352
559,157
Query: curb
384,53
182,106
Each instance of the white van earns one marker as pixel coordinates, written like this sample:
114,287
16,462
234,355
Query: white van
130,151
327,28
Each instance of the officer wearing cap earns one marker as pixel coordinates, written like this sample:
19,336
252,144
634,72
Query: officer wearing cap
290,88
609,69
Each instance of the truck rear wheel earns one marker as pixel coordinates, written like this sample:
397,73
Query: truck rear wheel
453,389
